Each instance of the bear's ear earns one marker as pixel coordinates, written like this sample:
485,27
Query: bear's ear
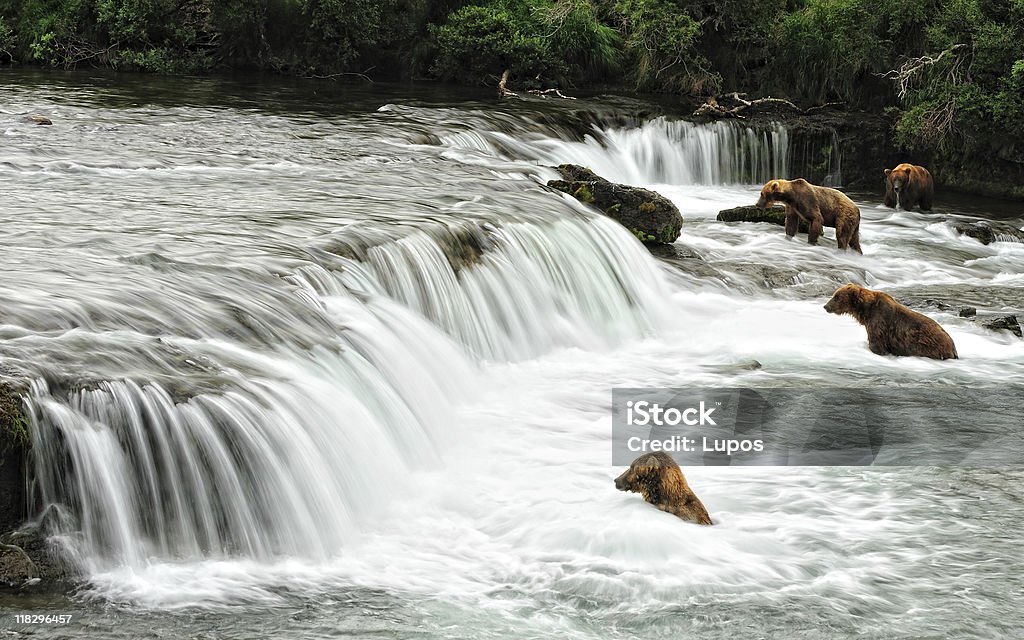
774,186
862,297
888,171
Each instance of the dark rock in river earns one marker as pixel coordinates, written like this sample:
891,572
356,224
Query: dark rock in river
16,568
967,312
777,278
37,119
462,244
14,443
26,556
750,213
987,232
734,368
650,216
29,559
1004,323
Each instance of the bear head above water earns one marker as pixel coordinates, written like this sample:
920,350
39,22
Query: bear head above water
660,481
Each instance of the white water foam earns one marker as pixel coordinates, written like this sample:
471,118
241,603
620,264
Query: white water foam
452,444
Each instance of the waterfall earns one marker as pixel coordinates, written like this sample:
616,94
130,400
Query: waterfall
816,155
570,282
659,151
288,436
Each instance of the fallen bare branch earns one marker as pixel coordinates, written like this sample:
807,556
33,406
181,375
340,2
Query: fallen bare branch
714,106
546,92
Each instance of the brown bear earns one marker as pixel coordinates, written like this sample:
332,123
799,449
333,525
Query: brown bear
818,206
909,186
660,481
892,328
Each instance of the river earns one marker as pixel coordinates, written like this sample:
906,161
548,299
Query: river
319,360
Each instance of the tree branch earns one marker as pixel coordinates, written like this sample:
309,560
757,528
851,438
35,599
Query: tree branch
503,91
905,74
735,104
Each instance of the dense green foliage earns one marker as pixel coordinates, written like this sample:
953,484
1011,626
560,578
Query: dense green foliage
565,41
962,61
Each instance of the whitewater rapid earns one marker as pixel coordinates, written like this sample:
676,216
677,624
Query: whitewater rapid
298,390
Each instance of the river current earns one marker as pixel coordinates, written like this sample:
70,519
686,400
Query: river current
313,360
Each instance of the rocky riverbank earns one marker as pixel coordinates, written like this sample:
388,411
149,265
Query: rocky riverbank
28,559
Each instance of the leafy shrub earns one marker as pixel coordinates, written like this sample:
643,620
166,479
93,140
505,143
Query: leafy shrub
6,39
661,43
584,45
969,100
478,42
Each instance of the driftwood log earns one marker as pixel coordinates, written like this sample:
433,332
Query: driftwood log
735,104
505,92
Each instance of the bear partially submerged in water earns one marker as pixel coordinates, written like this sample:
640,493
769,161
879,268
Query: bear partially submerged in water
660,481
892,328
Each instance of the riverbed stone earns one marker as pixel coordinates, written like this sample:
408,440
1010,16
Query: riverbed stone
14,442
37,119
30,558
987,232
1004,323
650,216
16,567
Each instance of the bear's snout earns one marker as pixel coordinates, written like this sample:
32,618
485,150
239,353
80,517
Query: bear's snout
621,484
762,203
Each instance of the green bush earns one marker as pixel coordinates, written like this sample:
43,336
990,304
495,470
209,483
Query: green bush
477,43
6,40
340,29
661,44
542,42
580,41
970,98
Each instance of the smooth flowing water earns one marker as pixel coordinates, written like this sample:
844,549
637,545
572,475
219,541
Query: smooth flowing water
315,361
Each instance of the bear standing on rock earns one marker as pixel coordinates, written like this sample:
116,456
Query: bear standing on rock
660,481
818,206
909,186
892,328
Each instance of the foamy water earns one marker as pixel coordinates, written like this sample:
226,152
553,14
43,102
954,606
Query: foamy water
427,431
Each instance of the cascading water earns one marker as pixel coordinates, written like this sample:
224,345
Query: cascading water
660,151
282,459
331,368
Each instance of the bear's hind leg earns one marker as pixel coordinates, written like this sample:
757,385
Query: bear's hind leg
926,201
855,240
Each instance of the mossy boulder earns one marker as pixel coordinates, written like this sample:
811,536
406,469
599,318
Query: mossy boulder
650,216
16,567
30,559
750,213
14,443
